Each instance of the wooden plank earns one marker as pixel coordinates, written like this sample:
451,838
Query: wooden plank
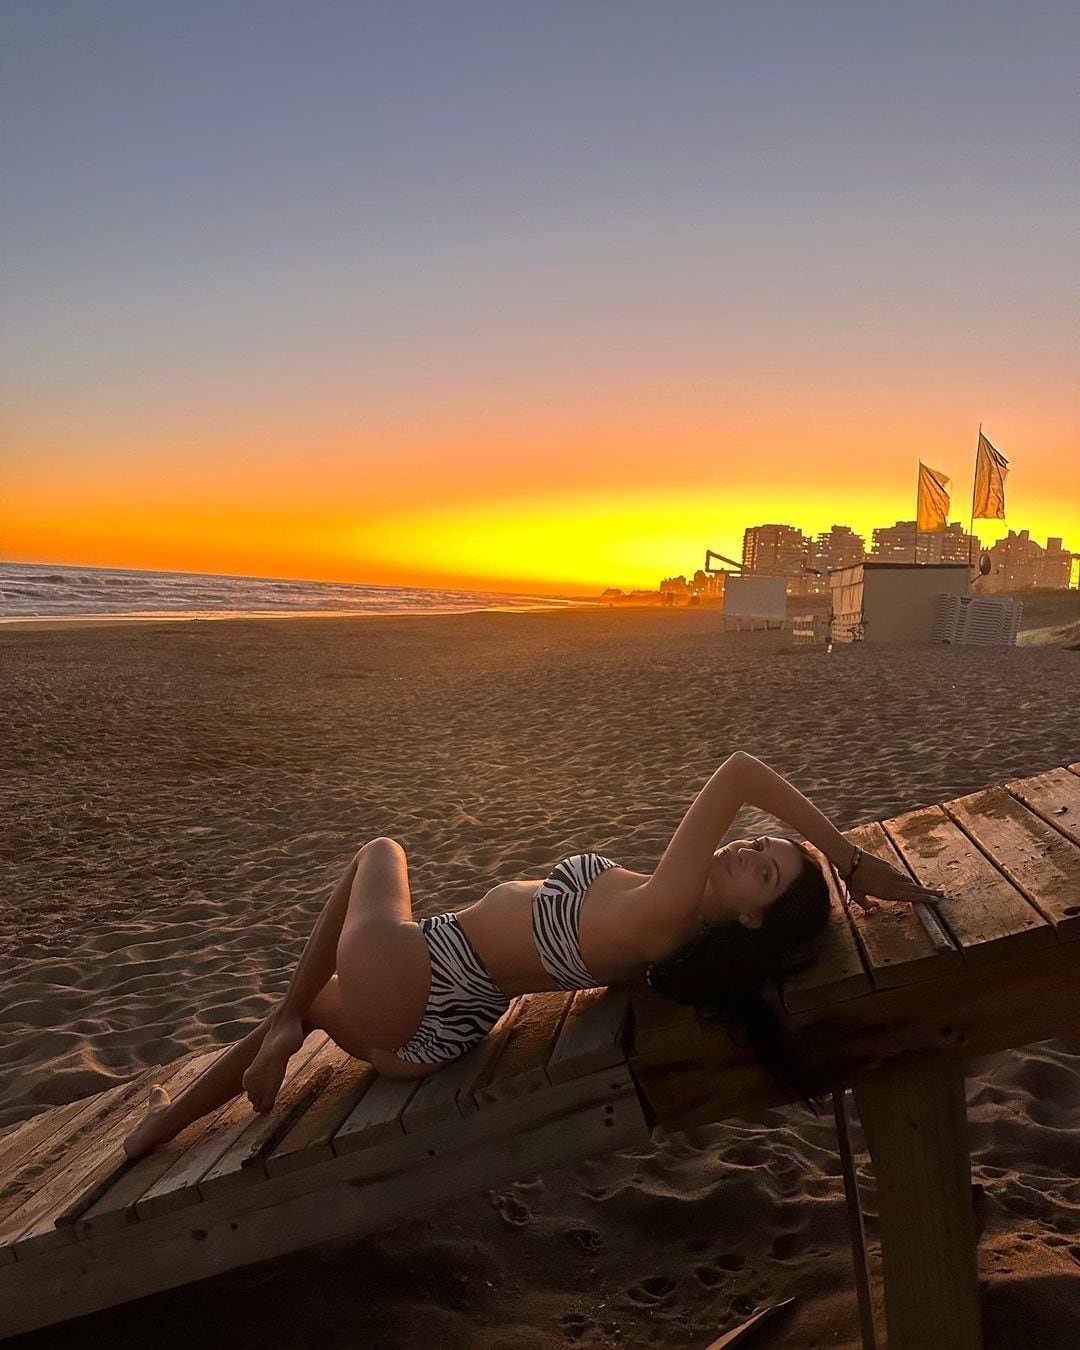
917,1125
1037,859
660,1027
377,1116
32,1151
309,1138
1055,796
111,1161
447,1095
34,1136
900,943
838,972
375,1163
748,1330
242,1161
989,919
113,1207
856,1232
89,1171
520,1067
53,1147
55,1132
348,1196
30,1222
497,1039
981,1009
179,1186
591,1036
685,1065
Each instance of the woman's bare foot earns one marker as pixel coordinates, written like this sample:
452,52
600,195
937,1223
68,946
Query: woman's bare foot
149,1132
262,1081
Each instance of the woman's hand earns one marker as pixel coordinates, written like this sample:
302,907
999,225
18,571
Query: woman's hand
875,877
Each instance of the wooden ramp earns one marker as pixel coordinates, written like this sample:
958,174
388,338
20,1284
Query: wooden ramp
894,1005
344,1151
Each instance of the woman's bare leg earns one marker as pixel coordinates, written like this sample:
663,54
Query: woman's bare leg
379,875
257,1063
219,1084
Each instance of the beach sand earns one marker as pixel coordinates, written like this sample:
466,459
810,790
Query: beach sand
180,798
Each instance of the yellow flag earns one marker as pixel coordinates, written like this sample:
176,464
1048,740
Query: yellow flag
991,466
933,509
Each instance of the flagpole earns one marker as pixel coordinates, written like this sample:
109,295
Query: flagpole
974,483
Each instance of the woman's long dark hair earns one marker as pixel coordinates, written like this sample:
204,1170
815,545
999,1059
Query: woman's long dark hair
723,970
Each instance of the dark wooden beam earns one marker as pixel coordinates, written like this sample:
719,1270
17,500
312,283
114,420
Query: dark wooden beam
689,1073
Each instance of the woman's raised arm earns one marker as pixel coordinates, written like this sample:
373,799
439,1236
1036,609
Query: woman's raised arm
677,884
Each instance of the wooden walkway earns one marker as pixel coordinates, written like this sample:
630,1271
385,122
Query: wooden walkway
896,1003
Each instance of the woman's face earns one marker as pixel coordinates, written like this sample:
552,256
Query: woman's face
746,876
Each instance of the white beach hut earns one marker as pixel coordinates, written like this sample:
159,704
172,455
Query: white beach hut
891,602
754,597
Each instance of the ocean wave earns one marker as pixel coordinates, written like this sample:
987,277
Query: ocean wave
26,592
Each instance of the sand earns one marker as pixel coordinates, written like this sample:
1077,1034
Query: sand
182,796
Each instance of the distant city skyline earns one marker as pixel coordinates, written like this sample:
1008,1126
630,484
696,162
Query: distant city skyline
782,549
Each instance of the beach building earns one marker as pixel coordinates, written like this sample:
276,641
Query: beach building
778,551
838,547
675,591
902,543
756,597
1017,561
708,585
878,601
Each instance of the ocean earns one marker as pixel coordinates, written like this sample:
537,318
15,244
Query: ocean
51,591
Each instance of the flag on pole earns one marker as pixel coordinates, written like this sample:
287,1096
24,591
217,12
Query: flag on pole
933,509
991,466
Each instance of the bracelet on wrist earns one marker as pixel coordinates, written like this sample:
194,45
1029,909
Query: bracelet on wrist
856,858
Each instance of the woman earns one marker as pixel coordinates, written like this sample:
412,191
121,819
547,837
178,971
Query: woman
707,926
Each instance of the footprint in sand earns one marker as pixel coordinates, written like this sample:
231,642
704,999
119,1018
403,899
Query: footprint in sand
785,1245
510,1209
714,1272
655,1292
588,1238
575,1325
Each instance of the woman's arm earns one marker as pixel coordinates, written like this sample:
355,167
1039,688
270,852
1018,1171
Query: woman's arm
741,780
676,887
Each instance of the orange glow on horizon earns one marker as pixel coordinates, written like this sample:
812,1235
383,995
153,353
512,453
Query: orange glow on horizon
550,545
512,497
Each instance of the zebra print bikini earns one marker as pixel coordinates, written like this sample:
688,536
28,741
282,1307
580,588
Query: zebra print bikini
556,919
464,1003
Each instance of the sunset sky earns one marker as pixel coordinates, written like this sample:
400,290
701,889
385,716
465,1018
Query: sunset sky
529,296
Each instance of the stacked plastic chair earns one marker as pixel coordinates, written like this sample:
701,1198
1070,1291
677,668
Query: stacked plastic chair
984,620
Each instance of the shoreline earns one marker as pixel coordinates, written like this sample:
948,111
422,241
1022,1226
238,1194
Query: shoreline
72,622
1060,608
